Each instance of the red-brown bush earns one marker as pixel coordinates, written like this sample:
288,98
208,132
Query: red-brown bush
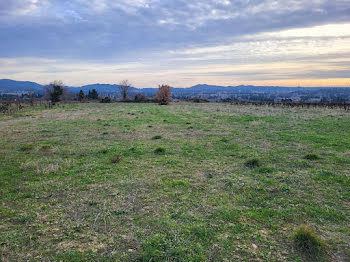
163,95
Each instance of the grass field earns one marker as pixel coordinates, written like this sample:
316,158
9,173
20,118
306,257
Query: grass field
184,182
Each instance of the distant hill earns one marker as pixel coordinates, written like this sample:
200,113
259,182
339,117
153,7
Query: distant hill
211,92
12,86
101,88
246,89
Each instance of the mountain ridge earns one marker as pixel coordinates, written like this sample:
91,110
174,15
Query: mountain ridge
212,92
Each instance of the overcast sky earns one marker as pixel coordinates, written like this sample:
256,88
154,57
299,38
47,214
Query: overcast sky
178,42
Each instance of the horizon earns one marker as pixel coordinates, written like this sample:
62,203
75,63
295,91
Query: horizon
150,42
198,84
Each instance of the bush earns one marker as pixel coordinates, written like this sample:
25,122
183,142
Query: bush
141,98
163,95
199,100
252,163
157,137
106,100
308,243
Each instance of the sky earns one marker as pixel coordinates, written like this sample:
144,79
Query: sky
176,42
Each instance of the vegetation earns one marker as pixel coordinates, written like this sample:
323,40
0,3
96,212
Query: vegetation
54,91
307,242
81,95
82,182
93,94
141,98
124,88
163,95
159,150
106,100
252,163
312,156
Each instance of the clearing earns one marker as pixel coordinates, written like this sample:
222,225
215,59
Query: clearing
184,182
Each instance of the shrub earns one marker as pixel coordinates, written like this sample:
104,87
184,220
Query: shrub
54,91
140,98
312,156
308,243
252,163
163,95
157,137
93,94
159,150
106,100
199,100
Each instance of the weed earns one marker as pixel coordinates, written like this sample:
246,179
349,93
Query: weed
45,146
312,156
103,151
228,183
27,147
210,175
23,219
117,158
308,242
224,140
252,163
119,212
266,170
178,183
159,150
156,137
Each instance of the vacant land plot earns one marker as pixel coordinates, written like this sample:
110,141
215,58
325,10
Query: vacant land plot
184,182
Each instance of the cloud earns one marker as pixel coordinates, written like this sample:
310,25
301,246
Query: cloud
170,36
143,24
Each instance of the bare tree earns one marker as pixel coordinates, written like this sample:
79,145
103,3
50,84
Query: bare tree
124,87
163,95
66,95
31,96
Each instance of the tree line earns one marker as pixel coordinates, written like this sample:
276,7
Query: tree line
57,92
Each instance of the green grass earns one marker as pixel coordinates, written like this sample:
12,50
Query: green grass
309,243
183,182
